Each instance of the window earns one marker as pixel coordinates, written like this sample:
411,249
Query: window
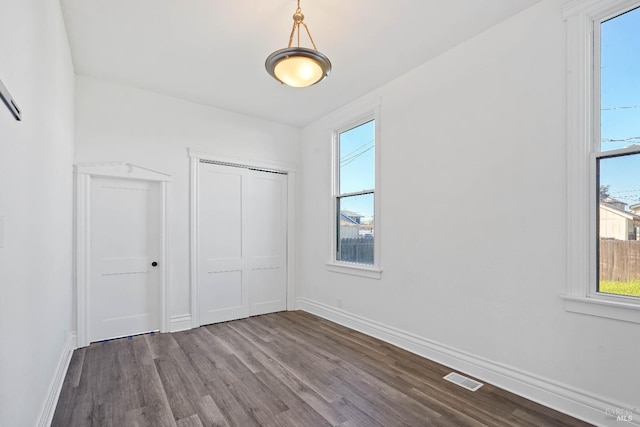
618,157
355,248
604,159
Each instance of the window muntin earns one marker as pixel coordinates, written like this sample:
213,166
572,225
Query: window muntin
617,157
355,194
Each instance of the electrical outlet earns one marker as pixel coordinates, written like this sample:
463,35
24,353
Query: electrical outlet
339,302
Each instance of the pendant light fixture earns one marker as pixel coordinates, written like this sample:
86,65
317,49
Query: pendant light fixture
298,66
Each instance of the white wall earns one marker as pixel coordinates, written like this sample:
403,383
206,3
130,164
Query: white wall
119,123
475,137
36,203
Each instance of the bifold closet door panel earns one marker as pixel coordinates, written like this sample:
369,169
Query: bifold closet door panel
222,276
267,239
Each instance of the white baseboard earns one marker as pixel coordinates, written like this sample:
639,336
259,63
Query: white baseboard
561,397
53,393
180,323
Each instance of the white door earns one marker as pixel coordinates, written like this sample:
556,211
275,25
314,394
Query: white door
222,279
241,242
125,221
267,242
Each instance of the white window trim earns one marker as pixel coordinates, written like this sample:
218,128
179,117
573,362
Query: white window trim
369,271
583,117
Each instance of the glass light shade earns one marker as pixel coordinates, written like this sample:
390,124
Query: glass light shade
298,66
298,71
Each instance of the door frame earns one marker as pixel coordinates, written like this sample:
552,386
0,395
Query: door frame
288,169
84,173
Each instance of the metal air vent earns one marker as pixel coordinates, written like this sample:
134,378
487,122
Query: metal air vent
463,381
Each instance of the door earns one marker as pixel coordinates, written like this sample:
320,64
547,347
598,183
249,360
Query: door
125,229
266,242
241,234
222,279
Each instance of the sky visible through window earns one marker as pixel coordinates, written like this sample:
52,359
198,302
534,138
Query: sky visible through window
620,104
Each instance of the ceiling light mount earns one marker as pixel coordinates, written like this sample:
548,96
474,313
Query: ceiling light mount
298,66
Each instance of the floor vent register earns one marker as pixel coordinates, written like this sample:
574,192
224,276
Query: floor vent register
463,381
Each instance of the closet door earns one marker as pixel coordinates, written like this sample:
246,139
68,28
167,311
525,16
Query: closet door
266,215
241,234
222,275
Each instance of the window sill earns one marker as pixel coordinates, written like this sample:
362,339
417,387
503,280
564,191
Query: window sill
355,270
617,310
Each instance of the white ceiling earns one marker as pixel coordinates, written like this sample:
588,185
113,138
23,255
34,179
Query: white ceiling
212,52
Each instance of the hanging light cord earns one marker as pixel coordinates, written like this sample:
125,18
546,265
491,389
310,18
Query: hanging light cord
298,18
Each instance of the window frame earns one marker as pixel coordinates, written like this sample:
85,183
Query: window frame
364,270
583,19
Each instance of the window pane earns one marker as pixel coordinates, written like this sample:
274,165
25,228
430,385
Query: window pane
620,81
355,229
619,225
357,160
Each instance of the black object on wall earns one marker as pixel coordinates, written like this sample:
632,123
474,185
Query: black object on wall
9,102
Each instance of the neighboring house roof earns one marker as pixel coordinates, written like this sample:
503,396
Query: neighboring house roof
615,203
635,208
616,210
349,218
351,214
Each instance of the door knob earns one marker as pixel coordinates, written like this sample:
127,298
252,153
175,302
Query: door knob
154,264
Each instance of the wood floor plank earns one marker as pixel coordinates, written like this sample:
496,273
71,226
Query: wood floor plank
266,367
243,384
177,395
298,367
156,411
282,369
452,414
299,408
68,394
141,350
299,417
192,421
178,356
380,403
74,407
354,416
148,416
209,413
208,365
74,372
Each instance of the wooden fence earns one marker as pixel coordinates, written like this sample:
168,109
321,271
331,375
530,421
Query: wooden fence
358,250
619,260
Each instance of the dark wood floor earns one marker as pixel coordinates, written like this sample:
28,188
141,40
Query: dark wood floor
283,369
